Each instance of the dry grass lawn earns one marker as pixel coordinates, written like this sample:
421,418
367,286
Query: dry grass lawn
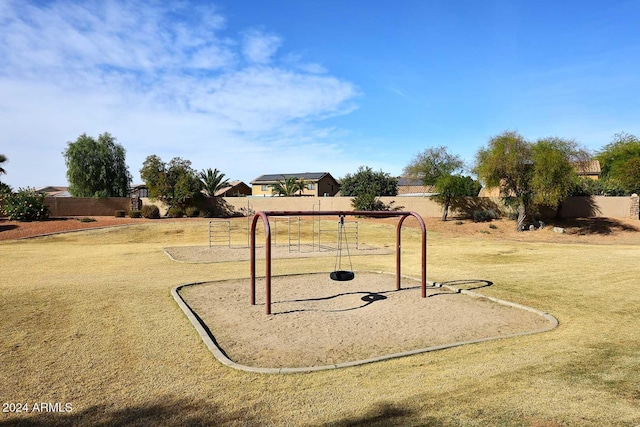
87,319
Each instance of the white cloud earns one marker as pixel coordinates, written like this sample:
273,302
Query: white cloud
259,47
163,79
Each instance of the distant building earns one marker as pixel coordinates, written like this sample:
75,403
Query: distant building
590,169
408,187
54,191
234,189
317,183
139,190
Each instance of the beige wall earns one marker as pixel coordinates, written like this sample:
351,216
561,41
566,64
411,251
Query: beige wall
598,206
422,205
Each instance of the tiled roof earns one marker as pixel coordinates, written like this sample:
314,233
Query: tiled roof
591,167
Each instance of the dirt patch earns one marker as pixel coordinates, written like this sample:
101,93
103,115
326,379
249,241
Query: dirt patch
579,230
317,321
19,230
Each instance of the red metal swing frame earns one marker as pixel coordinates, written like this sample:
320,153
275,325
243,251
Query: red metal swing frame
267,229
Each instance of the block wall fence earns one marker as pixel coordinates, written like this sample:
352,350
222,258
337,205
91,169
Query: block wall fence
574,207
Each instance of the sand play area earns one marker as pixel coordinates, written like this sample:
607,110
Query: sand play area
317,322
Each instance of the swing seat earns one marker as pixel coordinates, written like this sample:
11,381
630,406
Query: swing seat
342,275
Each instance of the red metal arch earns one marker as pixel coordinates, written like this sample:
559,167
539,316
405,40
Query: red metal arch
267,229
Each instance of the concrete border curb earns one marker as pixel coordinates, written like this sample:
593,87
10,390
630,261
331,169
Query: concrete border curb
209,340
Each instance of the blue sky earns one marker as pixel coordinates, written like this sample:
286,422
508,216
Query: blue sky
285,86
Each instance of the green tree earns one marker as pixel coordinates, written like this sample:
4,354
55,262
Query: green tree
630,175
529,173
97,168
173,183
437,167
618,163
614,155
288,186
554,173
507,163
365,180
450,188
432,164
212,181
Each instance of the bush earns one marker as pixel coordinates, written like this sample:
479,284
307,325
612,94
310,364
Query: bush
192,211
135,214
151,211
485,215
87,219
25,205
175,212
120,213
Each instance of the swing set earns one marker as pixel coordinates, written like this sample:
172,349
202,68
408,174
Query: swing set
338,274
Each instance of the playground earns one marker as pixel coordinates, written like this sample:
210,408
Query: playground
322,320
93,323
320,323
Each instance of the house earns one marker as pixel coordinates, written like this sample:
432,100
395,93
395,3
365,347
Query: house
408,187
234,189
139,190
590,169
54,191
317,183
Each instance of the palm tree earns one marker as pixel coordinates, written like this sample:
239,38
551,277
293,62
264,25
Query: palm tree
3,159
212,181
288,186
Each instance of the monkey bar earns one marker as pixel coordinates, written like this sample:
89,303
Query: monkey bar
379,214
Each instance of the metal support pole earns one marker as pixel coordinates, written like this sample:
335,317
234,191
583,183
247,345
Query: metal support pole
267,232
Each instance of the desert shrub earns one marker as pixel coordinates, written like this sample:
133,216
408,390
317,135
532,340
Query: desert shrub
150,211
135,214
87,219
370,202
485,215
175,212
493,226
120,213
25,205
192,211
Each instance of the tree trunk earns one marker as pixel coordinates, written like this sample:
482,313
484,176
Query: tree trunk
445,210
522,215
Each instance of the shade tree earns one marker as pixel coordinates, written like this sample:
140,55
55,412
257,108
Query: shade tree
529,173
173,183
435,166
97,167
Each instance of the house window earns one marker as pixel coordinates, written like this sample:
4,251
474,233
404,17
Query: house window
264,187
311,186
